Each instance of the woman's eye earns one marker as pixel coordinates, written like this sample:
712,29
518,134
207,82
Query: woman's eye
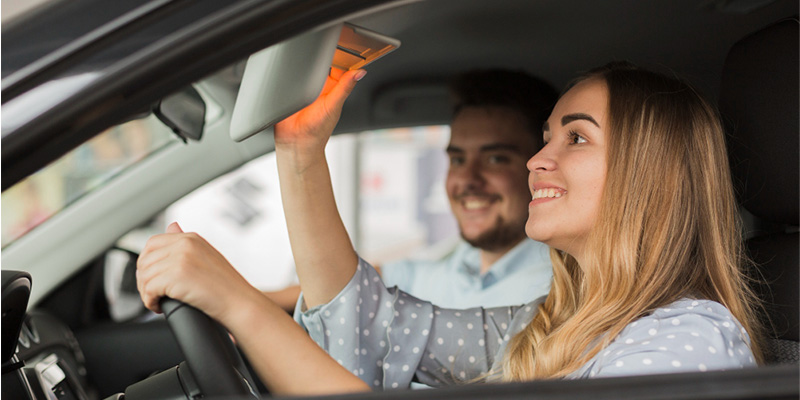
575,138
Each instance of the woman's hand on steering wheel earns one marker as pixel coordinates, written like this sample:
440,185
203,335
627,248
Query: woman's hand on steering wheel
185,267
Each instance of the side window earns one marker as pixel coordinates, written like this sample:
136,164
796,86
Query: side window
403,208
389,188
94,164
86,168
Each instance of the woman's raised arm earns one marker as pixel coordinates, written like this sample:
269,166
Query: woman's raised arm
324,256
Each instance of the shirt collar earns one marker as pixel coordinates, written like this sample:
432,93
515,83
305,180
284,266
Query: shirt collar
524,253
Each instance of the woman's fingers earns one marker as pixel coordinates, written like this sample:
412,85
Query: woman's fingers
153,272
311,126
185,267
174,228
344,87
336,73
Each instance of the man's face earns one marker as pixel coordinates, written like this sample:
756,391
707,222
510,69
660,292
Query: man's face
487,182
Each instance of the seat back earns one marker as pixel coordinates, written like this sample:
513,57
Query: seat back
759,107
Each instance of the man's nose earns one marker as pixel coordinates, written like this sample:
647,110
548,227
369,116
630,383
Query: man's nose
473,172
467,176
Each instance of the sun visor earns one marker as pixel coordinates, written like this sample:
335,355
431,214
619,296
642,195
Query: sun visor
282,79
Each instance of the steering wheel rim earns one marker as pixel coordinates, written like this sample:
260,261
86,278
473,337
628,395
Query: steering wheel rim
213,360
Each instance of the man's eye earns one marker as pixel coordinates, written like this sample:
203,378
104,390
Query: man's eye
498,159
575,138
456,160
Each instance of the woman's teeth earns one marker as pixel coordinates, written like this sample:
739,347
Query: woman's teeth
547,193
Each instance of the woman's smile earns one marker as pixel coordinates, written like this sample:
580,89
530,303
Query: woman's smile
541,193
568,174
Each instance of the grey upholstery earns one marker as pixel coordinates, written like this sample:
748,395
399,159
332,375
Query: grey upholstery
759,107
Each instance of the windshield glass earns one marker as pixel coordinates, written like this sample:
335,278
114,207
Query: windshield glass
86,168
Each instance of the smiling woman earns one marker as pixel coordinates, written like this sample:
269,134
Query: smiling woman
659,222
571,166
617,307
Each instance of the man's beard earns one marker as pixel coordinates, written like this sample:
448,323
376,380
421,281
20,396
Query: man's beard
500,236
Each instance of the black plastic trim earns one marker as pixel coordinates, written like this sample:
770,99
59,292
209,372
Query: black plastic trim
168,64
18,82
764,383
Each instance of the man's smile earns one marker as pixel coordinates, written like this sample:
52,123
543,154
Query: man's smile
475,202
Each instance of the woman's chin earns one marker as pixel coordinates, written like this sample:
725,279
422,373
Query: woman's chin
536,234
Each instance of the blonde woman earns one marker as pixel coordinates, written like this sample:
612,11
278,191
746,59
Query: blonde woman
632,193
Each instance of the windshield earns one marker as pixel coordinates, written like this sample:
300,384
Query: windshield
86,168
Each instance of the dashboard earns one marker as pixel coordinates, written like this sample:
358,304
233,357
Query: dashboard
41,356
44,359
53,362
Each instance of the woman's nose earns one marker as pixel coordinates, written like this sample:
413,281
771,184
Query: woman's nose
542,161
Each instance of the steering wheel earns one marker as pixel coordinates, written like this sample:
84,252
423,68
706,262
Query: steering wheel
212,358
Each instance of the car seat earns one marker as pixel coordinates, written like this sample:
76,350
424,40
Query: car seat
759,107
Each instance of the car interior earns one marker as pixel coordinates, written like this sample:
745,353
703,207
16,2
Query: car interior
761,120
59,340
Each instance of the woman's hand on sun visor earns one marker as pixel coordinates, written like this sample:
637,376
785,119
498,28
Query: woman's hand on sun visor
308,130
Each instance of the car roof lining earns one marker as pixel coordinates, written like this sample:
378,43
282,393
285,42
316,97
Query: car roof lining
548,39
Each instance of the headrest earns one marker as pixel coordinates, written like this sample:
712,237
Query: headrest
759,107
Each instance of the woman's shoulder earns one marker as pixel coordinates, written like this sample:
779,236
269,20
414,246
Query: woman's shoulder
707,309
692,320
686,335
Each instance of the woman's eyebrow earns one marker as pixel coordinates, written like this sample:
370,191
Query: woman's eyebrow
574,117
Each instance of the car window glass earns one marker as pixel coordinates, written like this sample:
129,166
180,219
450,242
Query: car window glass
86,168
403,206
389,187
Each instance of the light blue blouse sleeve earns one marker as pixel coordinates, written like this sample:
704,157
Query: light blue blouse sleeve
389,338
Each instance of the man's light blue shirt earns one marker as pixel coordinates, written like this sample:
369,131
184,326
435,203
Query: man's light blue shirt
520,276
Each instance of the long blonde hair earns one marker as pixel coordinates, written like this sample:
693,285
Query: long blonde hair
668,228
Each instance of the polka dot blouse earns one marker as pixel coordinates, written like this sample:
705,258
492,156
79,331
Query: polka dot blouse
389,338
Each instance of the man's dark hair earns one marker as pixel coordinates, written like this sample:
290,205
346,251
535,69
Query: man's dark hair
517,90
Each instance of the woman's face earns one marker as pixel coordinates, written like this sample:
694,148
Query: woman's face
568,175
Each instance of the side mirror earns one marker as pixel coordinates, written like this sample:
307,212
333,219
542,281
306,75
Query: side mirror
184,112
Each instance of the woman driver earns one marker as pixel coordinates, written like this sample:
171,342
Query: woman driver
632,192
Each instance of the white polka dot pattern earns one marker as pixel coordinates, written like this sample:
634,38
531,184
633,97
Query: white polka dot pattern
396,338
399,338
682,337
